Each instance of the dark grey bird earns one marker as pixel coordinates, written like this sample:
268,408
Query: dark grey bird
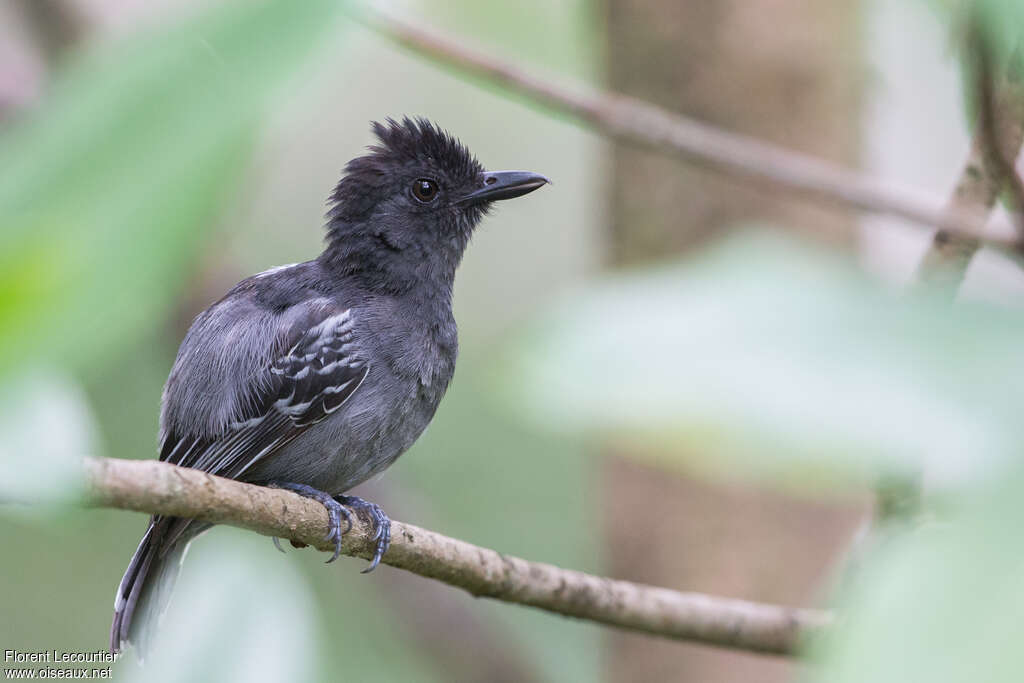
315,376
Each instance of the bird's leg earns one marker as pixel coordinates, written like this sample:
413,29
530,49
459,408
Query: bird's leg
381,522
335,511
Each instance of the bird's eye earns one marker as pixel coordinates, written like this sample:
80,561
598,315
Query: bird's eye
424,189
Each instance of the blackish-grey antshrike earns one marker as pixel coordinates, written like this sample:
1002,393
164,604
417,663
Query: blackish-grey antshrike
316,376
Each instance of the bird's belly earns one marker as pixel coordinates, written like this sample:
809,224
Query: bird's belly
361,439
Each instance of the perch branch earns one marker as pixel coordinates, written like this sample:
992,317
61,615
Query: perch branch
159,488
641,123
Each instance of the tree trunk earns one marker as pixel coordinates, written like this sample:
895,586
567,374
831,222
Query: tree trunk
786,71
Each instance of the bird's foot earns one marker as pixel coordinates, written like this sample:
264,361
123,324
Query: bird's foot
335,511
381,523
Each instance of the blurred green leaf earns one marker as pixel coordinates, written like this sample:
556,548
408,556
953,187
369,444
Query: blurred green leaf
108,186
1000,24
780,353
238,614
943,604
1002,20
45,429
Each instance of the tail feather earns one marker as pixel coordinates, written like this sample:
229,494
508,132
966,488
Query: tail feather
145,590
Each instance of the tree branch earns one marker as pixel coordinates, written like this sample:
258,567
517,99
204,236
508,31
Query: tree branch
159,488
57,25
641,123
990,167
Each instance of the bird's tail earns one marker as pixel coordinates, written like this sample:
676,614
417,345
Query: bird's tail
145,590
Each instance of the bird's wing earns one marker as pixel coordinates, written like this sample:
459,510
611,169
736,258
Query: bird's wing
313,378
315,372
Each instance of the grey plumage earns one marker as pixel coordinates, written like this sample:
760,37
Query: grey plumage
322,373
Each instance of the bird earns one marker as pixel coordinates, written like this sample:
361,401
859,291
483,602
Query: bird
313,377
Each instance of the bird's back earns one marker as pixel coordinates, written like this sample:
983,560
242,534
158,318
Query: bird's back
229,346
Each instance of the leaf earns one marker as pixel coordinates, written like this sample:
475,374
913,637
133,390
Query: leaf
1002,20
109,186
45,429
239,613
784,358
1000,25
941,605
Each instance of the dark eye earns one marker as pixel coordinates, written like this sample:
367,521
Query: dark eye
424,189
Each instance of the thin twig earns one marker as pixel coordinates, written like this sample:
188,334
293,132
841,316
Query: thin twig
1001,128
990,167
58,25
159,488
644,124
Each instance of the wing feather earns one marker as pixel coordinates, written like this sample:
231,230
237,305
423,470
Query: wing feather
316,376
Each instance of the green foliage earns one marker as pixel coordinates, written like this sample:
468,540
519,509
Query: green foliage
1000,24
237,616
109,186
943,604
783,357
1001,20
770,357
47,427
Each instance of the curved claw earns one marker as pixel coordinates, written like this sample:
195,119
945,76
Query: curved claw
277,544
336,553
381,522
384,534
335,511
333,522
343,506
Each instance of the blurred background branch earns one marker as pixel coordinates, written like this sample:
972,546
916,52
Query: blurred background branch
57,24
990,168
641,123
159,488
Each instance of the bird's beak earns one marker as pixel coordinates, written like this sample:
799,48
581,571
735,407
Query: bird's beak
495,185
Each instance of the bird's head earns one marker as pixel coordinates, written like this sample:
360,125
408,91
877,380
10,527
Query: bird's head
413,201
